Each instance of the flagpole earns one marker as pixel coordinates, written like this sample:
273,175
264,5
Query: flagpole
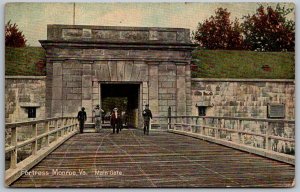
74,13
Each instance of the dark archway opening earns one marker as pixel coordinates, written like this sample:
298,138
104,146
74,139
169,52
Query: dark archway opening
123,96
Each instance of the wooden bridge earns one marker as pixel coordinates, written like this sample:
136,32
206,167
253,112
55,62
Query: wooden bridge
177,157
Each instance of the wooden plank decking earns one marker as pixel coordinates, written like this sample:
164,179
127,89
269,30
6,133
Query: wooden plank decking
162,159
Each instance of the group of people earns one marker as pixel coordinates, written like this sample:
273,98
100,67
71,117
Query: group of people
115,119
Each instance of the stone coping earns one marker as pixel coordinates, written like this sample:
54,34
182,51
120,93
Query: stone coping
25,77
120,28
118,33
243,80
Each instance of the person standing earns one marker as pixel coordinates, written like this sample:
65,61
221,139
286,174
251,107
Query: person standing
147,115
81,118
115,120
97,111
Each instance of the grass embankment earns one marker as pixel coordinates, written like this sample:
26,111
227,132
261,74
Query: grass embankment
212,63
244,64
22,61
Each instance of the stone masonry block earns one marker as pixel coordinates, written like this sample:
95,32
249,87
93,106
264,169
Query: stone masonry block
56,107
72,71
57,69
87,69
72,64
86,81
57,93
73,78
162,102
57,81
74,84
163,90
171,102
71,107
76,90
171,90
163,108
166,96
163,78
167,84
95,90
86,93
73,96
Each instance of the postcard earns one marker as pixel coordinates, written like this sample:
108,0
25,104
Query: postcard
149,95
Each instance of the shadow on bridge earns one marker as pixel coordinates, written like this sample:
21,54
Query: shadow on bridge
162,159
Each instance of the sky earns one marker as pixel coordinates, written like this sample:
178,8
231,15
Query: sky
32,18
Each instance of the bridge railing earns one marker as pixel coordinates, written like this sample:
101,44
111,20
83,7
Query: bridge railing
26,143
274,138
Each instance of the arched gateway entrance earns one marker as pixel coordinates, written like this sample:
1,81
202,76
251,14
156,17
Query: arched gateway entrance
85,64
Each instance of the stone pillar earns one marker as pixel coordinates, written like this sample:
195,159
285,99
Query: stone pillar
153,88
167,90
188,89
95,93
72,87
48,83
180,89
143,100
57,90
87,90
145,93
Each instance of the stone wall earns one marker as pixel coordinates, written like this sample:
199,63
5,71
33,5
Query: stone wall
22,92
248,98
243,97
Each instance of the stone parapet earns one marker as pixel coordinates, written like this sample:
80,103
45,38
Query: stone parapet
113,33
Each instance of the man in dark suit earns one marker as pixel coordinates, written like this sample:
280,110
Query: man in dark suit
147,116
115,120
81,118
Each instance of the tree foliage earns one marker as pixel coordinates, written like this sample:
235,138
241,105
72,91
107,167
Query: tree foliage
218,32
13,36
266,30
269,30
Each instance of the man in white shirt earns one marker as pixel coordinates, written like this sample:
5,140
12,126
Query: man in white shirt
97,111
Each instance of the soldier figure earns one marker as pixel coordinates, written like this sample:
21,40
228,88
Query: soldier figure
81,118
97,112
147,115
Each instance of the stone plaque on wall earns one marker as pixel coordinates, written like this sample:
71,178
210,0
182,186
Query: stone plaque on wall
276,111
86,33
106,34
71,33
135,35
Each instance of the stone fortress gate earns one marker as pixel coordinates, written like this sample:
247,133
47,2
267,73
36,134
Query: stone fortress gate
85,64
